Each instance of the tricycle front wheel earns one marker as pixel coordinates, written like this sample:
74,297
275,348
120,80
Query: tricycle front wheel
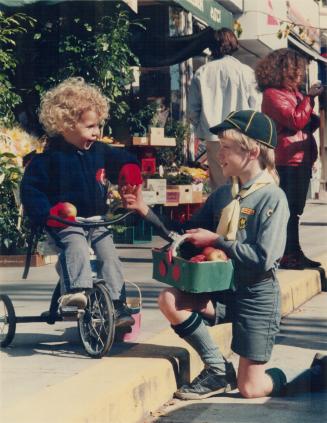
7,321
97,325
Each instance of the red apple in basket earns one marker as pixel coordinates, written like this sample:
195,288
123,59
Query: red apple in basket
198,258
207,250
217,255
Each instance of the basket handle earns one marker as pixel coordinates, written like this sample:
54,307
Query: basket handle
137,288
177,242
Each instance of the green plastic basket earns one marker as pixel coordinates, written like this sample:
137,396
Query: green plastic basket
207,276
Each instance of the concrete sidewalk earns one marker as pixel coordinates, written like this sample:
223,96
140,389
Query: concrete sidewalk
47,377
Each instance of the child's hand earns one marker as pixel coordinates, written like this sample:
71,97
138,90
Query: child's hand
201,237
132,198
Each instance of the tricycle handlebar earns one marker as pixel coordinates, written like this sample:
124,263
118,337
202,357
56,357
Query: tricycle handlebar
91,222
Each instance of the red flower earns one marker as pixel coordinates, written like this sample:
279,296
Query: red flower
100,176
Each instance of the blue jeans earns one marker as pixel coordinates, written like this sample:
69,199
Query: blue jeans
73,246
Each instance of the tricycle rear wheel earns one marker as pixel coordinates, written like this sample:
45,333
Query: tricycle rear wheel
7,321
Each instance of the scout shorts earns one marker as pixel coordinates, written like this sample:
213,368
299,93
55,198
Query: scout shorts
254,310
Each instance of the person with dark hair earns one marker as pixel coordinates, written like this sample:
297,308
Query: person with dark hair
219,87
280,75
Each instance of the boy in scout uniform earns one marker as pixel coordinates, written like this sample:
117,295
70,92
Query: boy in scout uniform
247,220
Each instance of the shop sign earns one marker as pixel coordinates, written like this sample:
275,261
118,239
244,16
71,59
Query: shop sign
209,11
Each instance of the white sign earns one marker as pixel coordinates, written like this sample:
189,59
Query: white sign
215,14
132,4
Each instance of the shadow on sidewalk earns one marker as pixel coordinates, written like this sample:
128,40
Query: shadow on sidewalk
310,333
177,356
65,344
305,409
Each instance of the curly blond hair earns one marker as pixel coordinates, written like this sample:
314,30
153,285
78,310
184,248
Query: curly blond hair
266,157
62,106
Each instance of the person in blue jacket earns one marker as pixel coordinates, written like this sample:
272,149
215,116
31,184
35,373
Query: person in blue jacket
75,168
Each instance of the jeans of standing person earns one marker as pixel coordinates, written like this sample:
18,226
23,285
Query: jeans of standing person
74,260
294,180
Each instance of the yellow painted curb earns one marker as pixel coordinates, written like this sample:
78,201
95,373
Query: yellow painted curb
121,389
127,388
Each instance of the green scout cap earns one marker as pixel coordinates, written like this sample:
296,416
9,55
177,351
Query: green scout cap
254,124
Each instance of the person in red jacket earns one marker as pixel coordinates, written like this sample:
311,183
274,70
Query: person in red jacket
279,76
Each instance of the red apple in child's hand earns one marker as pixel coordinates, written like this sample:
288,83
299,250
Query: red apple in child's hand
66,210
217,255
198,258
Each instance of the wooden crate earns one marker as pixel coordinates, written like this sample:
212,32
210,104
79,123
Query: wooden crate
185,194
172,195
140,141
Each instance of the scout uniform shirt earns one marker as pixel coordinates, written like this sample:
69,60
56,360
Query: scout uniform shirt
261,235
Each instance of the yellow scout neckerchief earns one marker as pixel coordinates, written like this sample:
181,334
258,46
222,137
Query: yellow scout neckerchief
228,223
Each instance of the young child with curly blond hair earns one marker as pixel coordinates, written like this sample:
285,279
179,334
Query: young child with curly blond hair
75,168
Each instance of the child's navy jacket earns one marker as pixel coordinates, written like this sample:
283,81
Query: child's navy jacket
65,173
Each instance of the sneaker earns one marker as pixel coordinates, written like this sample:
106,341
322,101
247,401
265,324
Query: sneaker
75,299
123,315
306,262
208,383
291,262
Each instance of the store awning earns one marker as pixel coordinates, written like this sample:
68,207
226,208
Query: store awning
209,11
309,51
18,3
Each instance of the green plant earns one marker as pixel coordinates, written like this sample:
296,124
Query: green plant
179,179
12,238
141,120
10,27
166,156
100,53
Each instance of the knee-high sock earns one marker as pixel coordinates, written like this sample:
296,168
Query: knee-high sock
196,333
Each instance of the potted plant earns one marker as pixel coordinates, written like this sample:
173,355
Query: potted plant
14,145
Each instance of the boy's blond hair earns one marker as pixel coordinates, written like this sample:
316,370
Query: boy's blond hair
62,106
266,157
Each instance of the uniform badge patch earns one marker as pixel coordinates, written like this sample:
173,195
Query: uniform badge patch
242,223
246,210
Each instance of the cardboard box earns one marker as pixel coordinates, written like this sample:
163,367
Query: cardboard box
172,195
150,197
162,142
185,194
197,197
140,141
159,186
157,132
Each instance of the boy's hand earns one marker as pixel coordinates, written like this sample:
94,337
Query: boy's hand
202,237
64,210
132,198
